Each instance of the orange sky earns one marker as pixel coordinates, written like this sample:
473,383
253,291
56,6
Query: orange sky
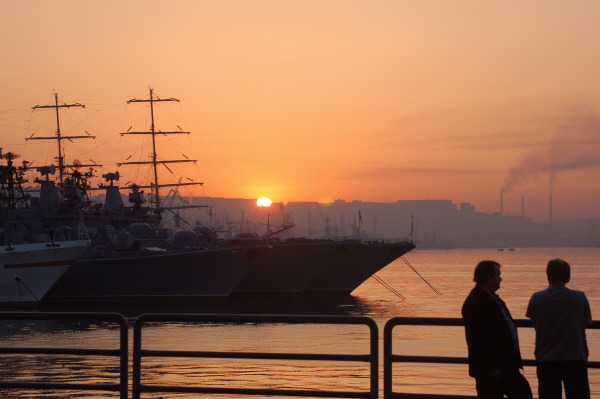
322,100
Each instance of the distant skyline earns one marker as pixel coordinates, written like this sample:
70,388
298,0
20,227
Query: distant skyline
321,100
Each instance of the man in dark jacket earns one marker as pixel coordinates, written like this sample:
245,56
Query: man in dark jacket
492,340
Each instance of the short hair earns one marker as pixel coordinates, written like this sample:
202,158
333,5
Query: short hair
484,269
558,270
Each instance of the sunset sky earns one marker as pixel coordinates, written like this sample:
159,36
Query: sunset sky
321,100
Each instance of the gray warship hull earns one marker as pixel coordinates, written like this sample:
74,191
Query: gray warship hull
207,275
315,266
212,275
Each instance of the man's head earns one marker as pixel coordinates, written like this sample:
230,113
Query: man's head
487,275
558,271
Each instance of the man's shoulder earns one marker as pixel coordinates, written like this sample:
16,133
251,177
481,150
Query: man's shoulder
470,298
549,291
539,294
577,293
557,293
564,290
475,293
477,298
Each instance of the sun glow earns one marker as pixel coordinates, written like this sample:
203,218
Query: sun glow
264,201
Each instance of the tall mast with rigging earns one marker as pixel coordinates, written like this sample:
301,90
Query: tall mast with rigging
59,137
155,186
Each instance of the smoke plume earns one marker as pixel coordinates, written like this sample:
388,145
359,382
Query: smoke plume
575,146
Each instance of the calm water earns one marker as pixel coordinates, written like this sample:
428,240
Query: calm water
448,271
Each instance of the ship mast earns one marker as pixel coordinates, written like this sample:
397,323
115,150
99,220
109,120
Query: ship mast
59,137
155,186
12,195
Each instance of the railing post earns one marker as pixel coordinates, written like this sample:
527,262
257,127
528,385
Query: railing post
374,359
387,361
136,374
124,364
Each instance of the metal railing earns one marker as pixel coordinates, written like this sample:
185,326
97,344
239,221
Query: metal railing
120,353
146,320
138,353
389,358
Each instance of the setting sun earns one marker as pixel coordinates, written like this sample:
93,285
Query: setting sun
314,108
264,201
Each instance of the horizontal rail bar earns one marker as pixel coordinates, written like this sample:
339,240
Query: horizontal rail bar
61,386
250,391
255,355
428,359
424,321
397,395
61,351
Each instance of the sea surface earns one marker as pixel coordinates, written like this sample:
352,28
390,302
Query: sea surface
425,283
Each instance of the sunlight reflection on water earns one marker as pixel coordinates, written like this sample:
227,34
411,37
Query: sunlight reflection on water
449,271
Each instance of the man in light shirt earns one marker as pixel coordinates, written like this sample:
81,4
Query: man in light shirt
560,316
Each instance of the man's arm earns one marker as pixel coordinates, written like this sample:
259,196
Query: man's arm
480,341
531,308
588,312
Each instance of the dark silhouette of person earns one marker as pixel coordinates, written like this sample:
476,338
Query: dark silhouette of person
492,339
559,317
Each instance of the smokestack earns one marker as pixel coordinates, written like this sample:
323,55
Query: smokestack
501,205
522,205
550,209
